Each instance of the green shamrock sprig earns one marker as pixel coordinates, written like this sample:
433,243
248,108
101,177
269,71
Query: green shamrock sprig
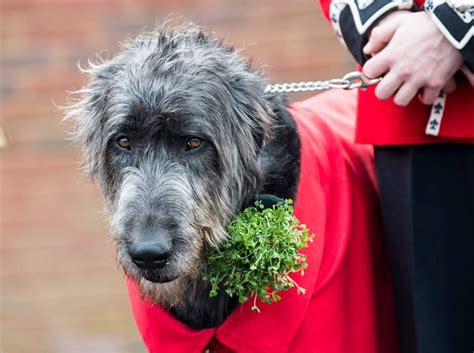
260,254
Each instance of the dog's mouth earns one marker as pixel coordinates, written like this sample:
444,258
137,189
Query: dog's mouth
153,276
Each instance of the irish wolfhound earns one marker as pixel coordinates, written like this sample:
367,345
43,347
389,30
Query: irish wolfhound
180,136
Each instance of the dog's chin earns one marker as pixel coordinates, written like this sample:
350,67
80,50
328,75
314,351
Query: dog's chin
158,278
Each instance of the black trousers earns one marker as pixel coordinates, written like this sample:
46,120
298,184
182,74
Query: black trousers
427,198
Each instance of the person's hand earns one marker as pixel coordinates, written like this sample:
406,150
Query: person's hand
414,56
468,74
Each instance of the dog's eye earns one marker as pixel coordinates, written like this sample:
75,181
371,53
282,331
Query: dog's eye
123,142
194,143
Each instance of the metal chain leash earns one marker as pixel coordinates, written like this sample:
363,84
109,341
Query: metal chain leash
351,80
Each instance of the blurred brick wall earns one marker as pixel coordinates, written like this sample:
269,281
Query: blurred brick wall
60,288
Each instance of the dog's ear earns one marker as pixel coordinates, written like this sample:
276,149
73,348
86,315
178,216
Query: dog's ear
254,110
277,104
262,128
251,123
89,113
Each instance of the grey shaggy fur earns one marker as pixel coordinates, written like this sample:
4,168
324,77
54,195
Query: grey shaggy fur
163,89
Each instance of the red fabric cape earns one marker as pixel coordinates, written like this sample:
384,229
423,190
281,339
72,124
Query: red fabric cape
348,305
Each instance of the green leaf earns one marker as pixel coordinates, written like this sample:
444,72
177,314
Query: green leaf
262,250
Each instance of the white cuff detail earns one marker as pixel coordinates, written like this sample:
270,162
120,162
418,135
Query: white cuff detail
366,12
454,18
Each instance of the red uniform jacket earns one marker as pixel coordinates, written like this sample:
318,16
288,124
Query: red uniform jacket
348,304
385,123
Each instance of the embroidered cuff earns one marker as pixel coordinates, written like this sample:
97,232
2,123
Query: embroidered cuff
455,19
352,19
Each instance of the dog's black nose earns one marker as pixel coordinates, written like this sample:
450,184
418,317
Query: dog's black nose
149,256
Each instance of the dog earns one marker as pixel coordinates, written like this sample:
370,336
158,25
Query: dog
180,136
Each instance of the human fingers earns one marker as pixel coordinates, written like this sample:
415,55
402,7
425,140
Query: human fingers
388,86
405,94
380,37
377,65
383,32
450,86
429,93
469,75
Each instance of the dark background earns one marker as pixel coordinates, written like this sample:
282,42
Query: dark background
61,290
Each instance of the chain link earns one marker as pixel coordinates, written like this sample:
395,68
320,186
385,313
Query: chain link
349,81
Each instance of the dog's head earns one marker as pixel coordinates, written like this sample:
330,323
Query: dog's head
172,128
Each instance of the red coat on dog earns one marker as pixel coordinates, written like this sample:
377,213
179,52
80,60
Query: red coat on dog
348,304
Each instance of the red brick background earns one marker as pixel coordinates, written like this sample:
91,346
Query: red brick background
60,288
